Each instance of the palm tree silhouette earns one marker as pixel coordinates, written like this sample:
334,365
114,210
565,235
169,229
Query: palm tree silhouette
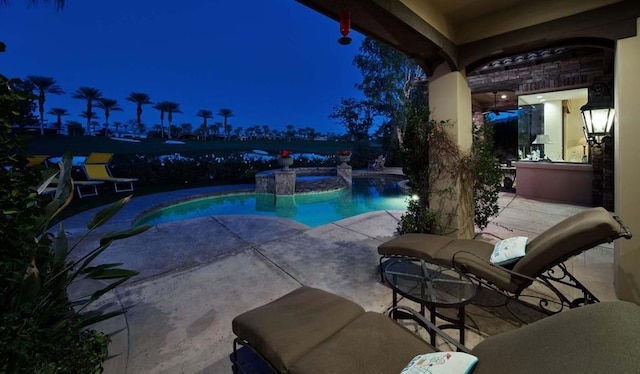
90,115
117,125
226,113
162,107
44,85
90,94
58,112
205,114
108,105
216,128
172,108
140,98
59,4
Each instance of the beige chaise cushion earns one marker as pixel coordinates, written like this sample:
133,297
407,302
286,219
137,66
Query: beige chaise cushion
373,343
567,238
571,236
289,327
598,338
424,246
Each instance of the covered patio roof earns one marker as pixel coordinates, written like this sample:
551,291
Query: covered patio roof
492,42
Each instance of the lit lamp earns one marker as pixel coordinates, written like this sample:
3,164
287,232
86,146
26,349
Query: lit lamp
583,143
598,113
541,139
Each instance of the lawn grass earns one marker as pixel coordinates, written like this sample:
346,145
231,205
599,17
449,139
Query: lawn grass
56,145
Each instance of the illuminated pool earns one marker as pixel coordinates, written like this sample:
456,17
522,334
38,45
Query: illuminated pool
366,195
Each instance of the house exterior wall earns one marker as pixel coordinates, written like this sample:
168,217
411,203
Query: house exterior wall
627,178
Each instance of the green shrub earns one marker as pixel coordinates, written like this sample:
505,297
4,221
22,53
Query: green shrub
199,169
434,164
42,330
419,219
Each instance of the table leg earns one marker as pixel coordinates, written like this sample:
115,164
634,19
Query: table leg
432,334
461,317
394,303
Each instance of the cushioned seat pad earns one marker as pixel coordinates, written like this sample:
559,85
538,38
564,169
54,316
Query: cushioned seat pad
599,338
373,343
287,328
414,245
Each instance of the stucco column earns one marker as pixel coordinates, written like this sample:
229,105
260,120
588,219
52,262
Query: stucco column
450,99
627,155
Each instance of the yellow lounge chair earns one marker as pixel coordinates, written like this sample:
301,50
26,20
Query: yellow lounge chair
91,187
96,168
36,160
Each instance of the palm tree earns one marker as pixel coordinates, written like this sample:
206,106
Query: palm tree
90,94
227,130
291,132
117,125
172,108
216,128
74,128
58,112
44,85
140,98
226,113
108,105
205,114
89,116
162,107
186,128
169,108
59,4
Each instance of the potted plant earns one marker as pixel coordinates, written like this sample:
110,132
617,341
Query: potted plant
344,157
285,160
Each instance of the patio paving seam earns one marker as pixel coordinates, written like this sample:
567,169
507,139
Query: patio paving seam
256,250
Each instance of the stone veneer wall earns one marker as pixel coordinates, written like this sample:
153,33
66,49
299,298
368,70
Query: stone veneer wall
603,173
287,184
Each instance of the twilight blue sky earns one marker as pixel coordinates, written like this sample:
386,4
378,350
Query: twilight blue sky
272,62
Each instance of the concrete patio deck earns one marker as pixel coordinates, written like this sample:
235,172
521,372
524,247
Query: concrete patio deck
197,275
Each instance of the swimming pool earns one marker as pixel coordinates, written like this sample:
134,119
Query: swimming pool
366,195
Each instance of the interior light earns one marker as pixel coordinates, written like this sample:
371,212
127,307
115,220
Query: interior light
503,96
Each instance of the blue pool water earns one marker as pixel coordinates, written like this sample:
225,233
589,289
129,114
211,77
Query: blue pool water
366,195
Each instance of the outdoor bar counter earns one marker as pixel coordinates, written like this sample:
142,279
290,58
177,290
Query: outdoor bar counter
566,182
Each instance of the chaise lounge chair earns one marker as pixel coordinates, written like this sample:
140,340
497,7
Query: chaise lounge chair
84,188
96,168
36,160
313,331
543,261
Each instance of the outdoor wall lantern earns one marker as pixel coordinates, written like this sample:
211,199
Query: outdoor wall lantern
598,113
345,26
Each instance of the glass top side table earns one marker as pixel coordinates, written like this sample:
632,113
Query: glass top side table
432,286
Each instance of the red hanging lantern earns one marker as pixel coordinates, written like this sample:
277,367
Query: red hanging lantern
345,26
